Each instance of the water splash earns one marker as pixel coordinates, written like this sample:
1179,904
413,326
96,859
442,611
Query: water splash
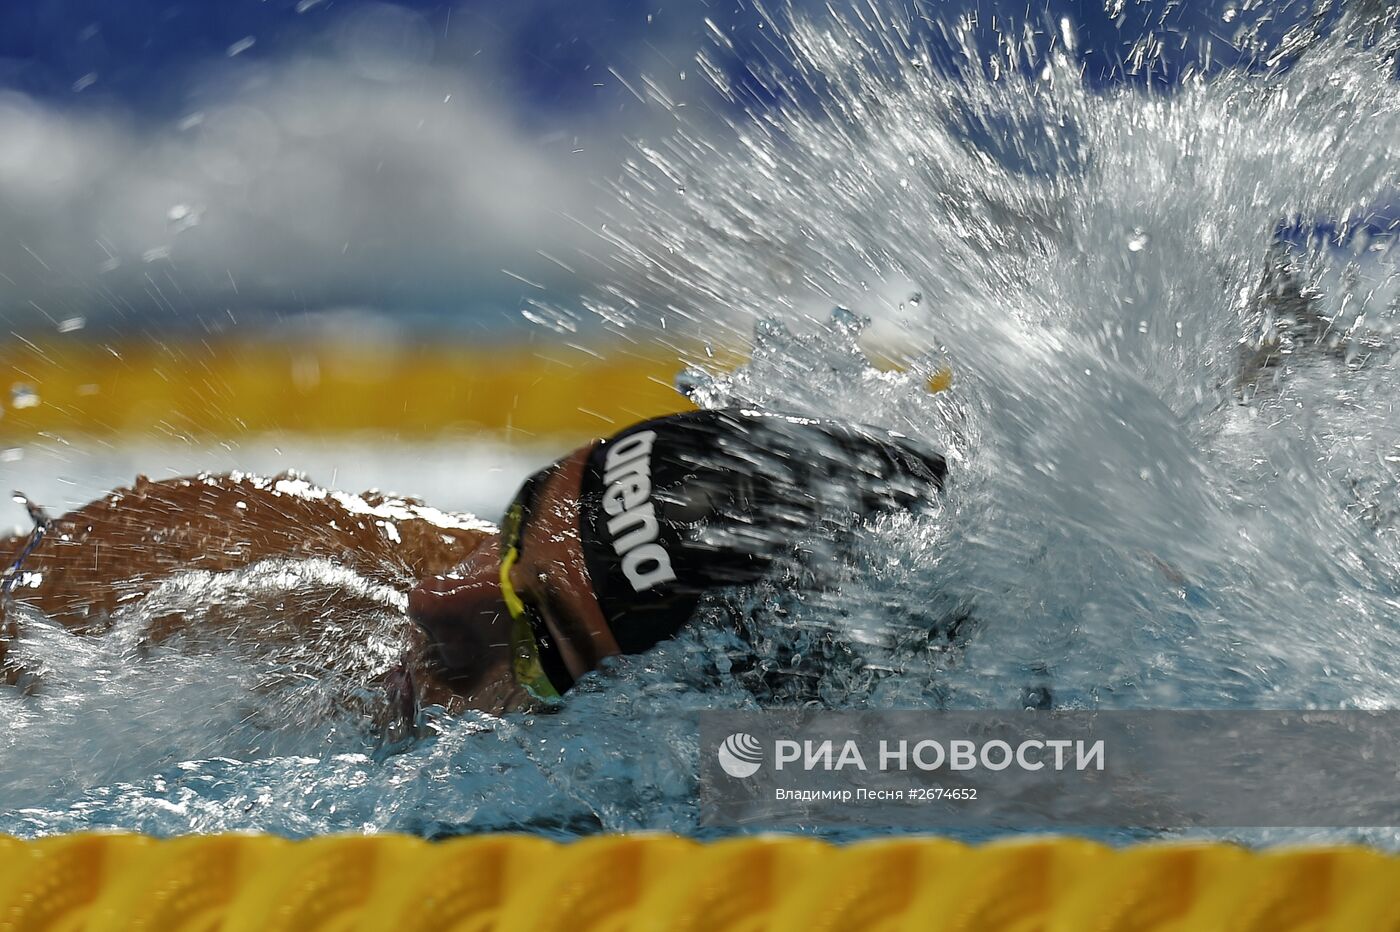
1161,441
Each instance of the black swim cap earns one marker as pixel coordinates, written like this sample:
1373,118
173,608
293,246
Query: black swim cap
683,504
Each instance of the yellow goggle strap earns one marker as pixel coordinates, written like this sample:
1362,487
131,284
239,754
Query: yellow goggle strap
524,648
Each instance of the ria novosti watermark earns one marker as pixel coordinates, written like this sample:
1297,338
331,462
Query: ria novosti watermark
1050,769
955,755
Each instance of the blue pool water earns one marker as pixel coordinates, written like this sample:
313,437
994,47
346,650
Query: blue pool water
1172,479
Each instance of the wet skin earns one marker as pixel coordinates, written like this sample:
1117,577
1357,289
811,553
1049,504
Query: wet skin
111,553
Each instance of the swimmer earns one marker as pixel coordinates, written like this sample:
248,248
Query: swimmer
605,552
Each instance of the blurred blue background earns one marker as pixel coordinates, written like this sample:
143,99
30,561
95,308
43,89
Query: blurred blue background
169,165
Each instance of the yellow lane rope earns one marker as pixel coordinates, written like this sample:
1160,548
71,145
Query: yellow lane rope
231,389
234,883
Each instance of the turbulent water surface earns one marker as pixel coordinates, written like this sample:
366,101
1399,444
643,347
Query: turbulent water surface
1173,445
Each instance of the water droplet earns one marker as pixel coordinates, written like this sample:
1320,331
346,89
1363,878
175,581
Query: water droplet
1138,241
241,46
689,381
23,396
1230,14
916,299
1067,33
847,321
771,331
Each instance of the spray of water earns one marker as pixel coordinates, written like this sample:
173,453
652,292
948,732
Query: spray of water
1168,488
1171,439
